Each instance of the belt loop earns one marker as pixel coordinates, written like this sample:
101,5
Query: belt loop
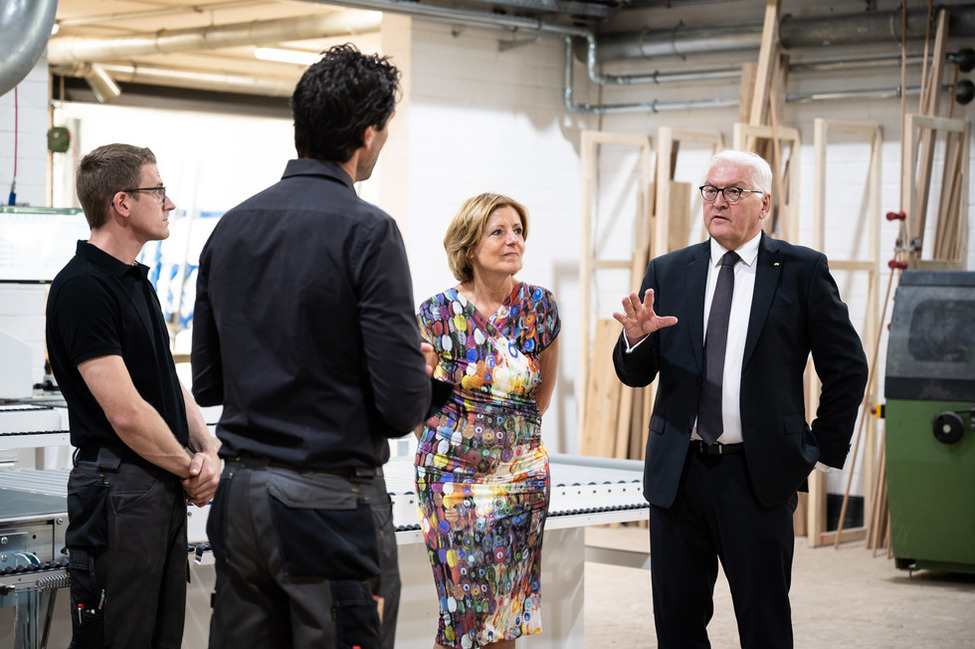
109,459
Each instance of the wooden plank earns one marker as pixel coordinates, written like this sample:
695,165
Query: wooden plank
618,139
588,263
635,450
851,534
768,54
749,72
661,212
816,508
781,197
920,129
598,435
800,516
621,446
819,184
610,263
679,212
851,265
587,171
744,133
930,106
873,134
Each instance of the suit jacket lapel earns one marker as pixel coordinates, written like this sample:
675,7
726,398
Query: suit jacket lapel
768,264
697,277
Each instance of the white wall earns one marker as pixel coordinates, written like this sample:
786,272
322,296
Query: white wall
23,128
209,163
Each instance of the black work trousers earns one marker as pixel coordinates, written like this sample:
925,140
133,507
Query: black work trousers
126,540
302,558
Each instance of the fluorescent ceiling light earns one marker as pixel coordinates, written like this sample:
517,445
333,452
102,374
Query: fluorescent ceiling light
300,57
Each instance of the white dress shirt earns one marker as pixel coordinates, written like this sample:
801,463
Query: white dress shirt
741,304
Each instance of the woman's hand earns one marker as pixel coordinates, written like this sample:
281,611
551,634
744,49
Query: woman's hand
431,357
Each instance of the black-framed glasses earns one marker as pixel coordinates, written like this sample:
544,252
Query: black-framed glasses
159,193
731,194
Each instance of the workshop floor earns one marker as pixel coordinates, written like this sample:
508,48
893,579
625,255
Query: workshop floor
840,598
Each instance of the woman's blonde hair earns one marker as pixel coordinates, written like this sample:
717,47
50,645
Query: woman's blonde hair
465,230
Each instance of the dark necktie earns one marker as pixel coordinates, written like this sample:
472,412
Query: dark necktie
709,424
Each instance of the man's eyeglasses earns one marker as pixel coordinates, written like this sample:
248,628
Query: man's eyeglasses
731,194
159,193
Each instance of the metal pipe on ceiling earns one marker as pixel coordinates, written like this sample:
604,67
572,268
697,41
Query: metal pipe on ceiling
733,72
794,33
157,13
657,106
220,82
67,49
460,16
25,26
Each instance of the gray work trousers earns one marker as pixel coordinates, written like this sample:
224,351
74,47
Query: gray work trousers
301,559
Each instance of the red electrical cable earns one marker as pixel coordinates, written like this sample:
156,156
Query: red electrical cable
16,129
12,200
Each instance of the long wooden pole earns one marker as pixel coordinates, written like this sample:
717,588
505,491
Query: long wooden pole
864,410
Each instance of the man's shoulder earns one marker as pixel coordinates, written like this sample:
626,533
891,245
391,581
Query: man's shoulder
313,197
786,251
78,276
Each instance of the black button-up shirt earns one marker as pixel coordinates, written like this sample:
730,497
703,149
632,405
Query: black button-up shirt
304,326
101,306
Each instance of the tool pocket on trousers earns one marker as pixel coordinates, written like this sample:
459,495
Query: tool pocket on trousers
329,543
88,507
217,517
324,528
355,614
87,600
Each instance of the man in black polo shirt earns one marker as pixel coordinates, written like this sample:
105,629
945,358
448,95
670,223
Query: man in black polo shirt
304,329
129,416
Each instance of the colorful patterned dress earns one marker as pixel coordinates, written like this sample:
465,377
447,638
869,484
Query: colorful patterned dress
482,473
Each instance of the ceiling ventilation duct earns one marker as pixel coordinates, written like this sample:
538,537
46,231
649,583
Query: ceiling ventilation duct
105,89
25,27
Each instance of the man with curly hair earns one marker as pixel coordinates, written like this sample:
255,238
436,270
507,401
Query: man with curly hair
304,331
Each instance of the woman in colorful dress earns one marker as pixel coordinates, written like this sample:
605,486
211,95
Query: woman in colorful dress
482,472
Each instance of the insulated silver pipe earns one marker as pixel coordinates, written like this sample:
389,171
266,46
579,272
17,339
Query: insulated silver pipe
794,33
220,82
460,16
25,26
657,106
67,50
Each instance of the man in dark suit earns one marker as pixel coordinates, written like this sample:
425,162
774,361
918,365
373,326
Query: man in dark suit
729,445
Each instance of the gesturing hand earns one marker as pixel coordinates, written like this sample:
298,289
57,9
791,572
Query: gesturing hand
639,319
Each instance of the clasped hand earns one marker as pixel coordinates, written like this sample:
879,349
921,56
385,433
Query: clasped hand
639,319
203,480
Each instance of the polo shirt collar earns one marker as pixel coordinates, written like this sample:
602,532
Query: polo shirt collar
316,167
110,264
